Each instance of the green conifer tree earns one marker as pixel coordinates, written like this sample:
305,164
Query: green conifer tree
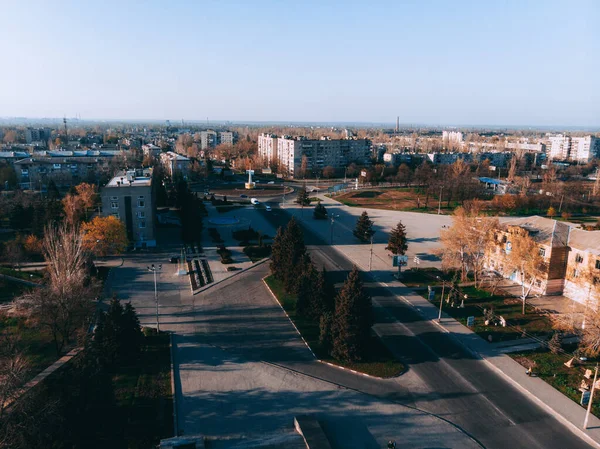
398,242
352,321
364,228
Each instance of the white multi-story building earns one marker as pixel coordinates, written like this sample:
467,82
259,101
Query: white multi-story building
452,139
584,149
315,154
267,147
579,149
174,163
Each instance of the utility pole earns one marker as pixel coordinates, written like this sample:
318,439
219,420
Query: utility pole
440,201
589,408
371,255
154,269
331,236
561,201
441,300
283,204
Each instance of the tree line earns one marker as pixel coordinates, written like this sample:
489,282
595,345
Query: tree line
344,317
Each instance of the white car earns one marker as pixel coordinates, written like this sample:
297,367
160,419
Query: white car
268,208
271,182
254,201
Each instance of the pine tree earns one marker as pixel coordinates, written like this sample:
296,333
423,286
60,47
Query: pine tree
398,242
364,228
325,331
353,320
302,197
293,251
277,255
131,336
320,213
323,299
304,288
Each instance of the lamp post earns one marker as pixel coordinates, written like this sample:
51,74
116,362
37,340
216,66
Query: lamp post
371,254
440,201
154,269
589,408
441,299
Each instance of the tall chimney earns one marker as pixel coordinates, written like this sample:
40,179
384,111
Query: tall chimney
397,124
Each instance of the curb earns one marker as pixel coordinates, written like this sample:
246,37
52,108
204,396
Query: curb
173,393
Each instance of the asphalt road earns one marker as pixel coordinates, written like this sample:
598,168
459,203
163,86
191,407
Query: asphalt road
454,384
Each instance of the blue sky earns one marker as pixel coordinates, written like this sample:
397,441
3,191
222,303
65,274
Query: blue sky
433,62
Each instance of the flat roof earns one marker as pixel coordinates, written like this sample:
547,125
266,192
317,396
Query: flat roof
138,181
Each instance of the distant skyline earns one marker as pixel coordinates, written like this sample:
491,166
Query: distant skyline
462,63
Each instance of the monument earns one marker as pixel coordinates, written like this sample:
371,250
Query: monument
250,184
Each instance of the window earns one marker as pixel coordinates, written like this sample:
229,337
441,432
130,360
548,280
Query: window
575,273
141,214
114,198
56,165
115,214
141,203
141,197
543,252
578,258
24,172
597,264
142,224
114,204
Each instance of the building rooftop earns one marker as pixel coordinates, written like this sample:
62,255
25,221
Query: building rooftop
133,178
588,241
174,156
545,231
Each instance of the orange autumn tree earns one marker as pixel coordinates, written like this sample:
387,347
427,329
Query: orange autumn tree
104,236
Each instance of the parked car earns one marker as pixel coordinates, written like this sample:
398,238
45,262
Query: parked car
254,201
268,208
243,196
271,182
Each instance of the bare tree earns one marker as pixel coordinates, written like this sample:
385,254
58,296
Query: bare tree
13,369
523,256
65,256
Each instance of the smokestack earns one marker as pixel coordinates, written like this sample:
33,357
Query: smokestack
397,124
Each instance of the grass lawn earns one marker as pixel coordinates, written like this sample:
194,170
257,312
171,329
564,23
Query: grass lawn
533,322
407,199
423,277
380,362
550,367
36,342
32,276
143,393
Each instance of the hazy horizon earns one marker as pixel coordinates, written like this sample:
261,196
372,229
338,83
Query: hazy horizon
463,64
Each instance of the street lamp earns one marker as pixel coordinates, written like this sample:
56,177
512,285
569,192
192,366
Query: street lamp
441,299
333,217
154,269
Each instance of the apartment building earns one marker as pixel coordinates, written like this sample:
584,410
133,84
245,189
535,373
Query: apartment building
267,146
317,153
210,138
174,163
571,255
151,150
65,168
129,197
577,149
37,135
452,139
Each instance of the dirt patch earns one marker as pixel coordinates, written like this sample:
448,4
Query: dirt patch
408,199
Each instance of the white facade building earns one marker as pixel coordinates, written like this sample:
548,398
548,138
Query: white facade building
267,146
578,149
